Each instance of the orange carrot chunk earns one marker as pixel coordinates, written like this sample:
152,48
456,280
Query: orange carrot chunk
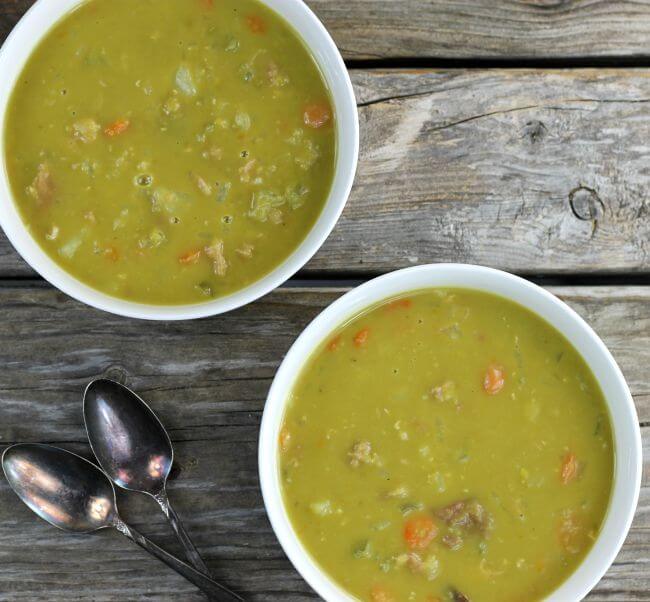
334,344
112,254
419,532
190,257
285,439
569,470
317,115
256,24
380,594
207,3
117,127
494,380
361,338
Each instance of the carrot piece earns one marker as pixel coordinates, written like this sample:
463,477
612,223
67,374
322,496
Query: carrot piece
190,257
419,532
400,304
117,127
112,254
334,344
285,439
361,338
494,380
207,3
317,115
380,594
256,24
569,470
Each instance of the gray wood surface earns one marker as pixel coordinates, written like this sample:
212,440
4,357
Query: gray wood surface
526,170
466,29
207,381
377,29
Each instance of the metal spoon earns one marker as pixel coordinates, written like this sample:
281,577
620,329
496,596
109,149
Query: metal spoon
134,449
75,496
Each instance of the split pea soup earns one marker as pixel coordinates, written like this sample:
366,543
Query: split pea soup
167,151
447,446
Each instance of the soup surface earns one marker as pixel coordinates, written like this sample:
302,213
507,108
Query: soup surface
168,151
448,445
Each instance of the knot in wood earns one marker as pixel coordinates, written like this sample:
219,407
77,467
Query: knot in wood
116,373
535,130
586,204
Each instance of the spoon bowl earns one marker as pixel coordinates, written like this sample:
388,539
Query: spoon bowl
64,489
129,442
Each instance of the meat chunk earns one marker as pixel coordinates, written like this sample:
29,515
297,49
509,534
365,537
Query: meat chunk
466,514
215,253
86,130
42,188
571,532
428,567
452,541
277,79
276,216
246,250
246,171
361,453
444,392
202,185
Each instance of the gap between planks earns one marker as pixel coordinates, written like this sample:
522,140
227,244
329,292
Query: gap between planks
506,63
348,280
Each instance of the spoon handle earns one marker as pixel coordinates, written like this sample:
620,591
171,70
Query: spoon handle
190,549
211,588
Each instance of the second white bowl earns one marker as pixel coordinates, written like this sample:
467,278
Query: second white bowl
625,426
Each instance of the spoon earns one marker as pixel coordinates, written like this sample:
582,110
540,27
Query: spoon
76,496
134,449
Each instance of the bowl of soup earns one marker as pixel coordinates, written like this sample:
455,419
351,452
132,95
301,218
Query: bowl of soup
450,433
172,160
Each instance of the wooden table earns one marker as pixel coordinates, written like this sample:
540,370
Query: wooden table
510,133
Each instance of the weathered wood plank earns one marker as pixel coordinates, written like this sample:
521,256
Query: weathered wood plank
207,380
376,29
530,171
379,29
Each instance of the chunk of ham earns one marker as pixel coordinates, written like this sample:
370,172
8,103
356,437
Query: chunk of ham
42,188
466,514
216,253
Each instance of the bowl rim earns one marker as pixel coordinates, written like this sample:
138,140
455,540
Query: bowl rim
19,46
625,425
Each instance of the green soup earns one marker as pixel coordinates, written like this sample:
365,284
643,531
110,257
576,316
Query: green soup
168,151
447,446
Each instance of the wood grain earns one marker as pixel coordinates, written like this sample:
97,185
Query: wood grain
207,381
462,29
525,170
377,29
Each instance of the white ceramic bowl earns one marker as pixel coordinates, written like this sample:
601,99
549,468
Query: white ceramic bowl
15,53
627,435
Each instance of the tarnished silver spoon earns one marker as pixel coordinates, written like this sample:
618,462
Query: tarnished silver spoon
134,449
76,496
